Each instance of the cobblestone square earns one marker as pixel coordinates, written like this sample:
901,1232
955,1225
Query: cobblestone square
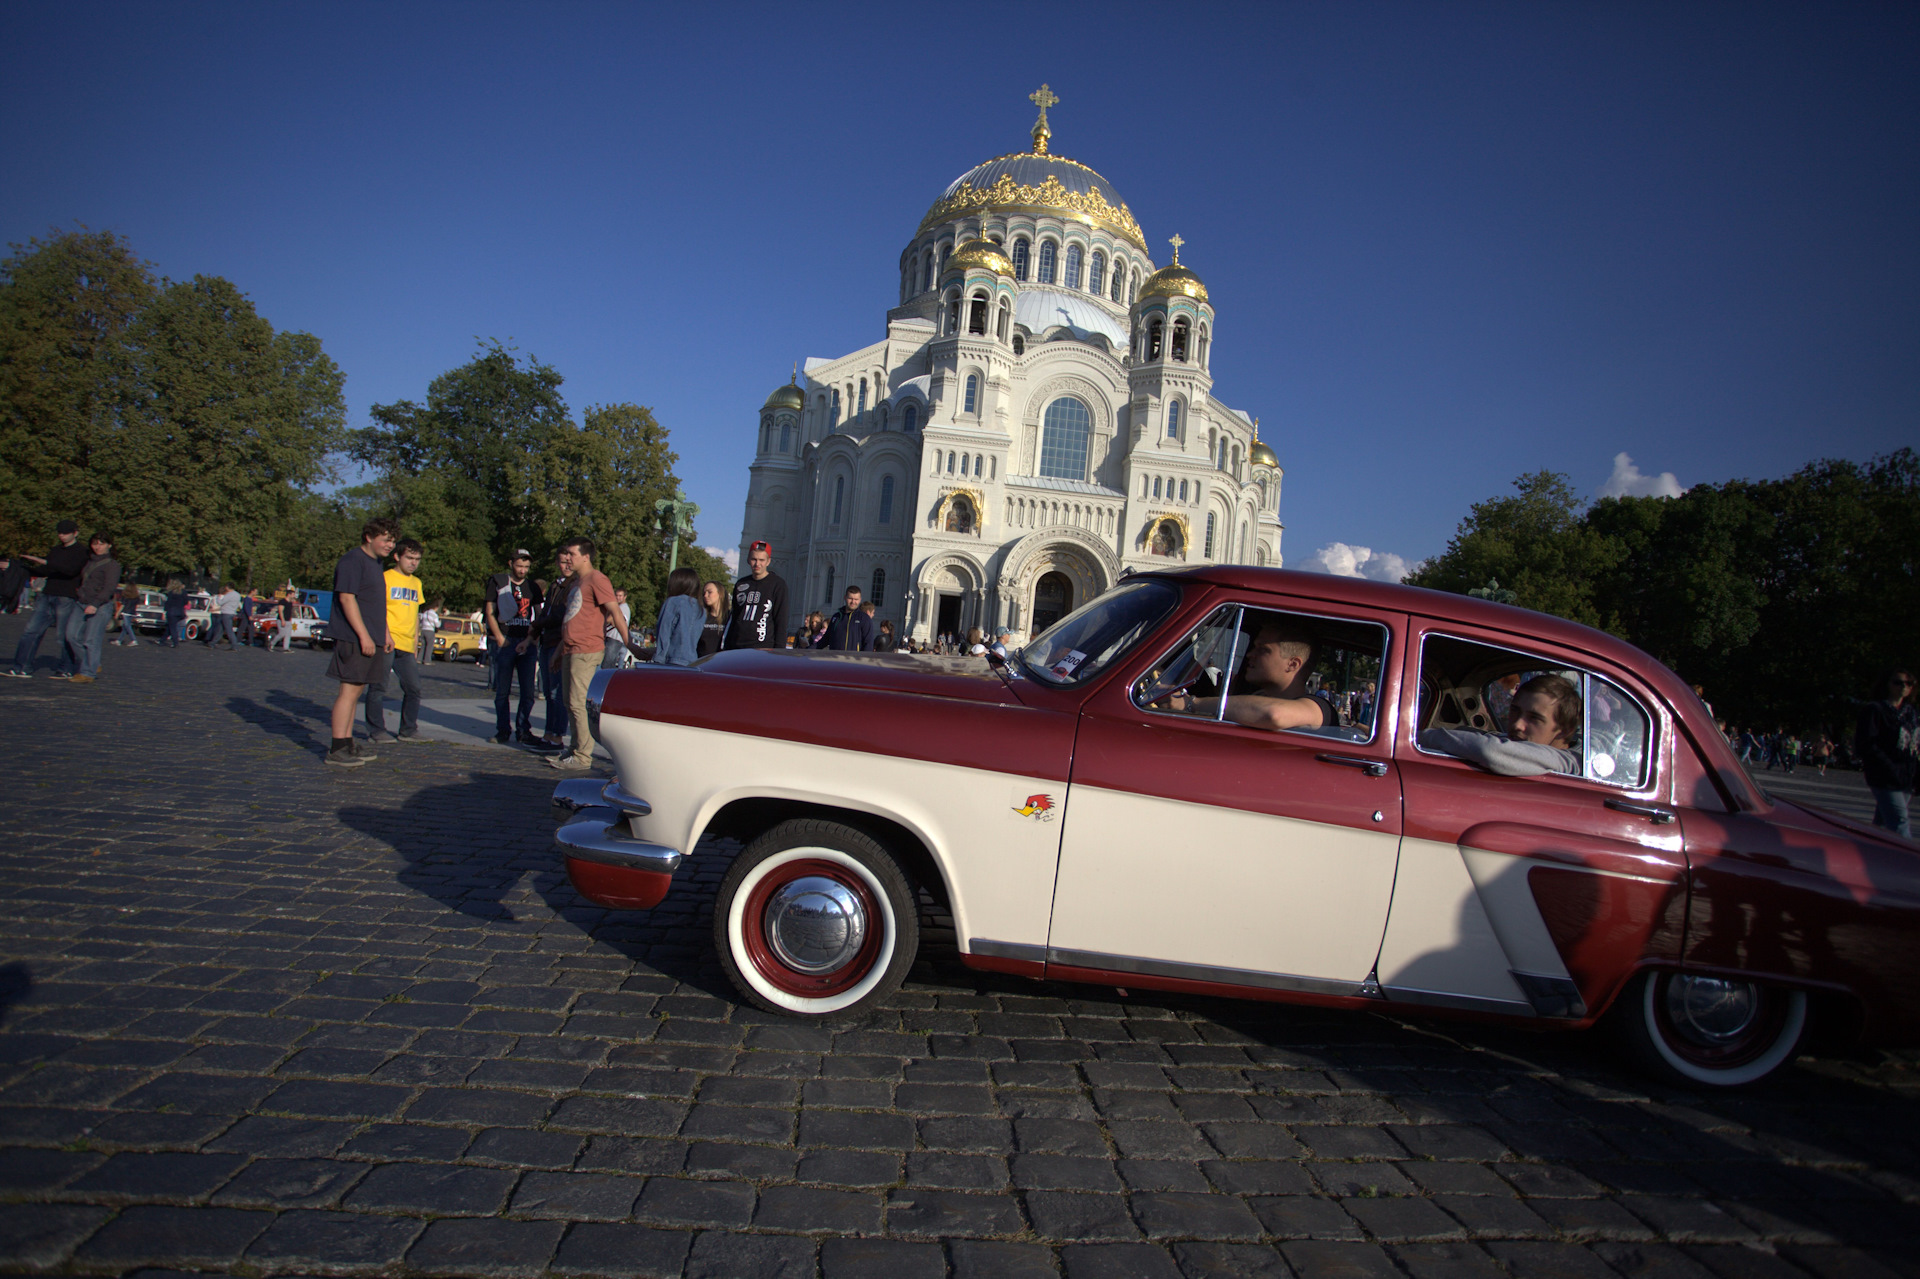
262,1017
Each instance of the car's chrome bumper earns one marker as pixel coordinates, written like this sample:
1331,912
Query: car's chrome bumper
597,828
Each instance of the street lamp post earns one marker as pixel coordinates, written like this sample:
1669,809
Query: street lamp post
675,515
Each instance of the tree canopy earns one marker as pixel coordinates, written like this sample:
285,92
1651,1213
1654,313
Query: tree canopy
1786,598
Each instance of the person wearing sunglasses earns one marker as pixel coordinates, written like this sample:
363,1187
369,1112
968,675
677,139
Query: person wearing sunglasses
1888,744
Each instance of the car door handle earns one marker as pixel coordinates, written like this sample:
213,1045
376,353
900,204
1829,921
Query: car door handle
1659,816
1371,767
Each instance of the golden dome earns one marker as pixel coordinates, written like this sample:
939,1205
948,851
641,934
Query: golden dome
980,253
1173,281
1261,455
786,397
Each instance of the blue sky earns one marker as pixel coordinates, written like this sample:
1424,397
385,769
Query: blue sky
1446,243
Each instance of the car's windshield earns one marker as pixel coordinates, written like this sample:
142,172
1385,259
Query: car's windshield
1087,640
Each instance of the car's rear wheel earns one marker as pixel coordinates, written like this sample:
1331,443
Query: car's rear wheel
193,630
815,918
1717,1032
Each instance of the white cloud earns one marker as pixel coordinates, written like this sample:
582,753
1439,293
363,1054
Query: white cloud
731,556
1627,481
1343,560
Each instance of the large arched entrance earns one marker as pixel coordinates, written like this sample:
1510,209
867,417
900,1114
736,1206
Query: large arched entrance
1052,600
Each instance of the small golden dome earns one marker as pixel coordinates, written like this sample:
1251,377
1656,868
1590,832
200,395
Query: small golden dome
1174,281
1261,455
786,397
980,253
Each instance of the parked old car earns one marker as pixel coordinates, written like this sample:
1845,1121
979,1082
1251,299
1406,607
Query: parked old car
151,613
306,624
457,638
1092,813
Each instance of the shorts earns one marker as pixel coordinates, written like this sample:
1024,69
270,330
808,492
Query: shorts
349,666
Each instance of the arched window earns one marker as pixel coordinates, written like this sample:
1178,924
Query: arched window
1180,339
1063,440
1006,319
1200,350
1048,252
993,468
829,583
880,415
863,396
977,315
1133,285
1220,462
1073,266
912,418
1021,256
978,462
950,460
1173,419
1207,550
886,499
786,431
964,459
833,416
973,393
946,251
1156,486
879,595
1019,345
1154,334
1183,490
1097,274
766,435
953,313
1119,281
839,492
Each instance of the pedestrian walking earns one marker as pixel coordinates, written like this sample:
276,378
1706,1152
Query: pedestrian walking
13,581
226,610
1887,741
126,615
759,616
403,639
619,656
548,631
99,584
174,613
677,633
430,627
287,609
510,604
850,630
58,608
359,630
582,641
713,618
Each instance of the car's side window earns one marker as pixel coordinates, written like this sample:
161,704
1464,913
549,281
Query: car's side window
1524,714
1272,669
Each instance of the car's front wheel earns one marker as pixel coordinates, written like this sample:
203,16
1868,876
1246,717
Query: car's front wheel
815,918
1717,1032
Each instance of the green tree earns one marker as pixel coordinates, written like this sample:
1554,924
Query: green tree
1683,584
65,306
1536,544
603,479
225,424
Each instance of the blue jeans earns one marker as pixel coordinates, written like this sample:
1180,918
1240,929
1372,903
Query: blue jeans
407,671
222,625
553,682
59,615
93,638
128,634
509,668
1890,811
176,631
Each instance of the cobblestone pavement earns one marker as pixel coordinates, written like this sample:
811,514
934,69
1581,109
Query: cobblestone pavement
261,1018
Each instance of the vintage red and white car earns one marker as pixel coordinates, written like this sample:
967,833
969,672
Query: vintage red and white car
1091,811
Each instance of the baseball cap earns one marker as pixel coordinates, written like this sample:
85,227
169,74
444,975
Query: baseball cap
1004,630
522,554
66,526
761,546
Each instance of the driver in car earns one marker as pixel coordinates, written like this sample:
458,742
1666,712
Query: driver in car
1542,724
1276,668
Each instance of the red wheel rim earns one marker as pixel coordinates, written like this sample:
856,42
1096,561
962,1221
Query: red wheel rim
768,965
1752,1042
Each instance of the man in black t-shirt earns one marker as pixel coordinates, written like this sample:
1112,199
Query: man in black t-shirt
759,617
510,602
58,608
358,627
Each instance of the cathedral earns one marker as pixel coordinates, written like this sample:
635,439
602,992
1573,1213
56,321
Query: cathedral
1038,420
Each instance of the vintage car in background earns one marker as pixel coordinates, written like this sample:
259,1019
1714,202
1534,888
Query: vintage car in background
459,637
151,613
307,626
1088,812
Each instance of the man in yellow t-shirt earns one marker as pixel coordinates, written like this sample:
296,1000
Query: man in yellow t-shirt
404,596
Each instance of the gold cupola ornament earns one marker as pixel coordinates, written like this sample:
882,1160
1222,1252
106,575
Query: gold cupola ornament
1174,280
1041,133
1260,454
979,252
787,397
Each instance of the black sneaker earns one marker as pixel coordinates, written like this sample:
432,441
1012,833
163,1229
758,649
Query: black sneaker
408,737
379,737
363,751
502,739
345,756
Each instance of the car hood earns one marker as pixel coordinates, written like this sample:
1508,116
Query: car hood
1823,821
924,674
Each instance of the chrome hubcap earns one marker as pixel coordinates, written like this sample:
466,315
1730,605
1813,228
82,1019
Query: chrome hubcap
1712,1010
815,924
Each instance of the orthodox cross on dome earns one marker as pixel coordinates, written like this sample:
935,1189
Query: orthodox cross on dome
1043,99
1256,430
1176,242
